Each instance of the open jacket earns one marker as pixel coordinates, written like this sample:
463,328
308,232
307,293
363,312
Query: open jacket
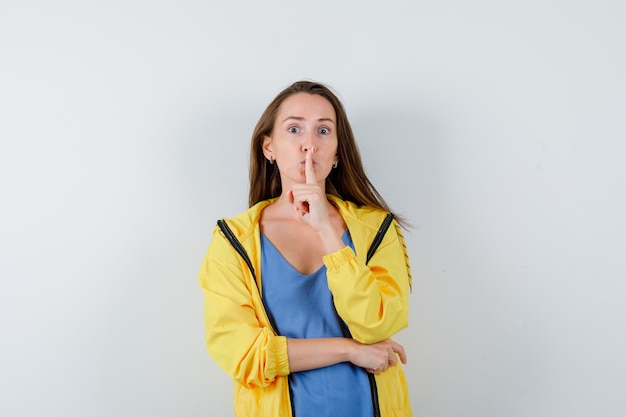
372,300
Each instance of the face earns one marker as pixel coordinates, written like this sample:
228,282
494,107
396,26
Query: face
304,121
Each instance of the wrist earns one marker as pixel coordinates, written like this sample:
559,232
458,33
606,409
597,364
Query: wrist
331,240
350,350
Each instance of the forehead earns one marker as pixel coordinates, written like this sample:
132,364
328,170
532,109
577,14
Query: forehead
307,106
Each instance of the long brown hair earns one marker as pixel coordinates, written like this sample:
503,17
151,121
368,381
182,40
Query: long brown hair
348,181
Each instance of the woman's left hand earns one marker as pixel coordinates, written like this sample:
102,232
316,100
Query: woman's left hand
378,357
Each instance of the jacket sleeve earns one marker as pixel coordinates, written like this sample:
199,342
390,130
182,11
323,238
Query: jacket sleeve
245,349
372,299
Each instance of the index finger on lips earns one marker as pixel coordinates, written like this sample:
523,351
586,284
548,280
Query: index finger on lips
309,174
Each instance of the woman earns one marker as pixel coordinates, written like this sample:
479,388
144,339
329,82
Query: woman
295,311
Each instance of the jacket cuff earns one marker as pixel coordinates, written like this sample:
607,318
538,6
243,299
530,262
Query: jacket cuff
278,347
336,259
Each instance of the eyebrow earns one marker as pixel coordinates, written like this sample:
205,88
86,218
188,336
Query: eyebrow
321,119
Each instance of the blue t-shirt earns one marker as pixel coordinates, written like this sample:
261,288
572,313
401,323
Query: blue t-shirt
302,307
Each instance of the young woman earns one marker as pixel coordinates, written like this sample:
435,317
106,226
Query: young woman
296,310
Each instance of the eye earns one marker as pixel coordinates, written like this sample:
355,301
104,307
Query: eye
293,129
324,130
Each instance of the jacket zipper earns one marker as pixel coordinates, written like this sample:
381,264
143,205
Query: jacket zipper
379,236
374,391
238,246
228,233
382,230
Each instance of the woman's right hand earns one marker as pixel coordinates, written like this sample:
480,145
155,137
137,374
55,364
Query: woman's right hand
377,357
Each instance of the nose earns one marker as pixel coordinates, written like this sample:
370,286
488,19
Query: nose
308,142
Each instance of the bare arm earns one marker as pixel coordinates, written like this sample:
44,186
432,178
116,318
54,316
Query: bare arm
306,354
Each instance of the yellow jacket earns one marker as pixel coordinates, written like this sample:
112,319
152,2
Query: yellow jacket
372,299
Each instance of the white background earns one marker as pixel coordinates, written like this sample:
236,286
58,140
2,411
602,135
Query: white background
497,127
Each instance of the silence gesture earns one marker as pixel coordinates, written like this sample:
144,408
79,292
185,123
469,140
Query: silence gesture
309,199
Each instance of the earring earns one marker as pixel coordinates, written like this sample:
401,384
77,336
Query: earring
271,160
335,164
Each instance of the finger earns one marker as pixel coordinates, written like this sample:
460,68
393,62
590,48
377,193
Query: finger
399,349
393,359
296,205
309,174
302,208
378,370
299,201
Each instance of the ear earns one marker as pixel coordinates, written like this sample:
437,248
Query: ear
267,147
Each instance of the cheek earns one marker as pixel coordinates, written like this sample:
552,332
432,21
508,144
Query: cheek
335,150
331,144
